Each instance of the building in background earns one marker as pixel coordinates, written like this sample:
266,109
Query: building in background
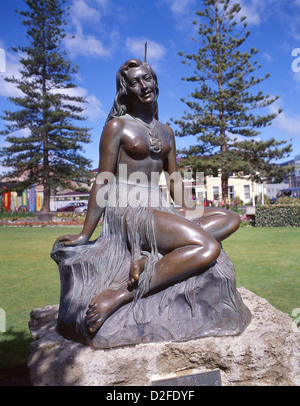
292,180
242,191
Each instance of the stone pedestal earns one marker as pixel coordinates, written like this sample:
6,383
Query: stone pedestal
267,352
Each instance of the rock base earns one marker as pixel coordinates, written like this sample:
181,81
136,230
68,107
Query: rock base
266,353
204,305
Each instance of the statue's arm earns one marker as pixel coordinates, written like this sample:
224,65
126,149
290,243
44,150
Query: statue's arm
170,166
109,149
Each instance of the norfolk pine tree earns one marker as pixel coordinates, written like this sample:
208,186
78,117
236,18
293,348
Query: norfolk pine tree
222,112
48,153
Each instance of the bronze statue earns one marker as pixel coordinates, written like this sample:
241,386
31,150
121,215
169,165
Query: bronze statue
161,246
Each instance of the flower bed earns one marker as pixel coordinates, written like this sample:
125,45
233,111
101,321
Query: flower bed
60,219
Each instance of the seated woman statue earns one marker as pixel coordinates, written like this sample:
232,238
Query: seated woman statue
165,246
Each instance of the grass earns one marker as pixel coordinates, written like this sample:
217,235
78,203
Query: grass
266,262
29,278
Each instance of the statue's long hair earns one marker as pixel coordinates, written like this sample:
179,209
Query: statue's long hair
119,107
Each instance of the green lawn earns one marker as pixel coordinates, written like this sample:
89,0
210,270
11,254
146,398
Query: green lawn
29,278
266,262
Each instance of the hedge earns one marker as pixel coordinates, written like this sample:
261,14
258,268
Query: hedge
277,216
289,201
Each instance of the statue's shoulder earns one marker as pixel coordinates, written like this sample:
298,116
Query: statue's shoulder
114,125
165,126
167,130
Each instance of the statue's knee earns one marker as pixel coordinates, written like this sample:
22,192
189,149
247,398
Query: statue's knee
209,255
209,250
236,219
214,250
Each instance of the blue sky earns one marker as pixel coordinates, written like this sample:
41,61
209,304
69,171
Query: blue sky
108,32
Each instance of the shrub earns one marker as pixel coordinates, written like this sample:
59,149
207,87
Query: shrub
15,215
285,200
277,215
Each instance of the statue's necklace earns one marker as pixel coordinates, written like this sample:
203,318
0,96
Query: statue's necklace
155,142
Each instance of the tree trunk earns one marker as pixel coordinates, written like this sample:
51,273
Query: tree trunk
224,186
46,180
224,176
46,200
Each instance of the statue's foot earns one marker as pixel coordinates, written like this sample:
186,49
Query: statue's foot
108,301
102,306
136,269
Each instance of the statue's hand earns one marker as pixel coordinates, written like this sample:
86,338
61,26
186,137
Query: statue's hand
70,240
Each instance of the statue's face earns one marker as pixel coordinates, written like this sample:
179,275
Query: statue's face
141,87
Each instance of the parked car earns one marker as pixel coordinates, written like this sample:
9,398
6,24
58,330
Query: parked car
82,209
71,206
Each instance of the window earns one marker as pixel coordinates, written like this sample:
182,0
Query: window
247,192
230,192
216,192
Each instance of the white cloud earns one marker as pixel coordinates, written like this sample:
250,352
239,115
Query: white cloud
80,11
183,12
296,77
268,57
13,66
180,7
94,110
87,45
258,11
252,10
288,124
2,60
83,17
93,106
2,43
